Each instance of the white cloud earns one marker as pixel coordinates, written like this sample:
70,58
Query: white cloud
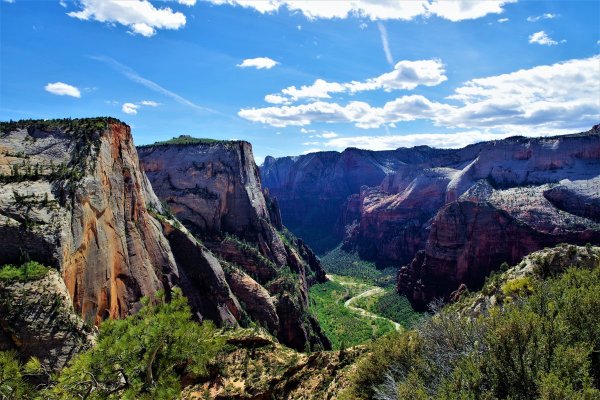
385,43
561,96
543,16
406,75
149,103
258,63
459,10
188,3
542,38
390,142
276,99
63,3
62,89
9,1
130,108
328,135
503,20
313,150
139,15
456,10
361,114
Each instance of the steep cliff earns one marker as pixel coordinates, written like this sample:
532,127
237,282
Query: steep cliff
214,188
37,319
73,197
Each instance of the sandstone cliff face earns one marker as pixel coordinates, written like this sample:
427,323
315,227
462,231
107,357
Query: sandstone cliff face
214,188
74,198
312,189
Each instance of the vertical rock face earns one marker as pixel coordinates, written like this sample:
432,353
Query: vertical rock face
312,189
73,197
214,188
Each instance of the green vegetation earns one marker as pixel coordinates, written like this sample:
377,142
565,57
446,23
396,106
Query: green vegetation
184,140
13,374
542,342
390,305
29,271
344,327
253,253
341,262
145,356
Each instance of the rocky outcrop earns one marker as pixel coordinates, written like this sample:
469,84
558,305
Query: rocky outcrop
256,367
37,319
214,188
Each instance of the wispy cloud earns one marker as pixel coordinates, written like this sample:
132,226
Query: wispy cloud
135,77
385,43
542,38
130,108
536,18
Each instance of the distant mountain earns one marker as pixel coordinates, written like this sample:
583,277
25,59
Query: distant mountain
459,213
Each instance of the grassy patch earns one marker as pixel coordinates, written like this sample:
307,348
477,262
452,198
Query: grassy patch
29,271
391,305
343,326
341,262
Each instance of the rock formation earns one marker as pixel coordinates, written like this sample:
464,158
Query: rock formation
38,320
459,213
214,189
74,198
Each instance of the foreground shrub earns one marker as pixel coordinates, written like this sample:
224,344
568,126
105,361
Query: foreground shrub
144,356
543,343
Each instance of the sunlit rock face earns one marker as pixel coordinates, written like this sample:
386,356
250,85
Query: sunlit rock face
214,189
74,198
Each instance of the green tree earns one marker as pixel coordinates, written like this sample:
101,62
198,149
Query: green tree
143,356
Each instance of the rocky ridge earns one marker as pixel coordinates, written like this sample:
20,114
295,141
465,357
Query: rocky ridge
74,198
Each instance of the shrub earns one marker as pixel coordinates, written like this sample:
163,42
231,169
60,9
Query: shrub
144,356
29,271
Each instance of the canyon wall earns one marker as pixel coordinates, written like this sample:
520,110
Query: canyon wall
214,189
452,216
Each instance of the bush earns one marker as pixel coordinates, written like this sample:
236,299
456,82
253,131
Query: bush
544,344
144,356
29,271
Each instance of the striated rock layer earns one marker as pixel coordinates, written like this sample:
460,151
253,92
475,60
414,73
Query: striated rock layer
453,215
214,189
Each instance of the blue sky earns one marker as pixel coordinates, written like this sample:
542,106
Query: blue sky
295,77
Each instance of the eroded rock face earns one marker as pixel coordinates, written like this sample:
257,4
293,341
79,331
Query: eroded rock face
79,202
214,188
37,319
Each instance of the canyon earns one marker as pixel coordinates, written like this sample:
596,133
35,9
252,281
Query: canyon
444,217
